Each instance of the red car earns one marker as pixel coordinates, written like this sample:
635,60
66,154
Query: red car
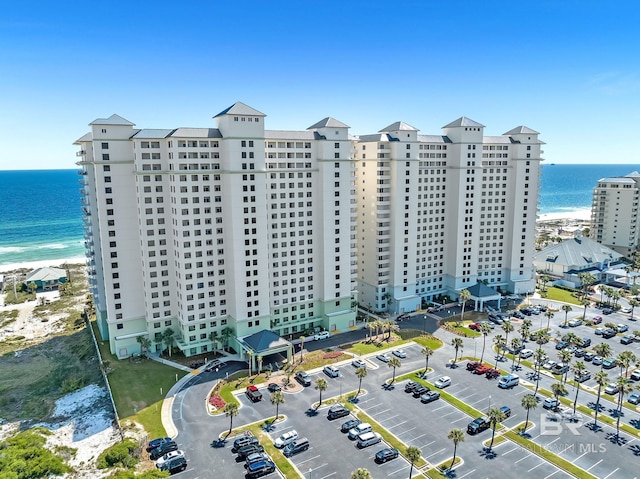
475,326
472,365
597,319
492,373
482,369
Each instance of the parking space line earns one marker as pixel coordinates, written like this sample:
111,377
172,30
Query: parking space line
510,450
441,407
595,465
450,413
542,461
461,419
470,472
310,459
406,431
554,472
390,417
577,458
478,401
329,475
523,458
611,473
397,471
396,425
437,452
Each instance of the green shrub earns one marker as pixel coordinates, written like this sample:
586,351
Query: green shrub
72,384
123,454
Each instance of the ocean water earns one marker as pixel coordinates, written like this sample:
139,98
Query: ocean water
41,217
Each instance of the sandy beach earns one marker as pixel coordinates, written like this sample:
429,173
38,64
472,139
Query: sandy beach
5,268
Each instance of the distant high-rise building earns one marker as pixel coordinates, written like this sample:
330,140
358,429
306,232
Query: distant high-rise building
440,213
614,213
218,233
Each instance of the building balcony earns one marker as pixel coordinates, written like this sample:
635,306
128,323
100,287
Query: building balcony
81,153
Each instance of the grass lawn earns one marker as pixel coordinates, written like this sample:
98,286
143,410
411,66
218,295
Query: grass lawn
429,341
557,294
380,342
460,328
139,388
403,337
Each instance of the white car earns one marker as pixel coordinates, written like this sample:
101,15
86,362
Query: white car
625,310
400,353
321,335
526,353
287,438
443,382
611,389
549,364
168,456
384,357
551,403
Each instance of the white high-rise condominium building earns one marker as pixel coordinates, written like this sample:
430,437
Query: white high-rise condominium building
222,231
614,213
440,213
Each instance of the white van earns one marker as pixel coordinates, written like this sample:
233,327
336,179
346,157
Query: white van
359,430
368,439
509,381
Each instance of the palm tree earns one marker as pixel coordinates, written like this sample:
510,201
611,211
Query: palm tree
231,410
495,416
633,303
413,454
625,359
616,295
499,341
250,354
603,349
457,345
321,385
391,327
371,326
624,387
566,308
586,280
558,389
529,402
361,373
527,322
541,337
464,297
540,356
167,337
426,352
226,334
302,338
578,370
544,279
361,473
572,339
213,337
394,363
565,357
524,332
485,329
145,344
456,436
277,398
507,327
549,314
515,345
602,379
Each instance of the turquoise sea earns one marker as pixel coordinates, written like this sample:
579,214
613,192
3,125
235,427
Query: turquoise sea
41,219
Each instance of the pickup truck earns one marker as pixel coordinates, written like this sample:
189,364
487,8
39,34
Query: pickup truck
253,393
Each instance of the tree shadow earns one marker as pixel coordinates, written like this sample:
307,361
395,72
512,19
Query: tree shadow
616,439
488,453
616,413
635,449
593,406
592,426
635,423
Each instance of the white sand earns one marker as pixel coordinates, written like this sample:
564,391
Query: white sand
576,215
41,264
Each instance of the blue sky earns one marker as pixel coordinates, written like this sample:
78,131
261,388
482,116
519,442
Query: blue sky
568,69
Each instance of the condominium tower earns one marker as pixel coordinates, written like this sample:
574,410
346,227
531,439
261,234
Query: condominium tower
227,231
206,230
614,213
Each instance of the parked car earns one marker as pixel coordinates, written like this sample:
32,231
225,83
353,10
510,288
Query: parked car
574,323
429,396
368,439
551,403
359,429
176,464
583,377
286,438
256,457
358,363
609,363
331,371
410,386
273,387
596,319
443,382
163,449
420,390
489,323
400,353
492,373
526,353
303,378
384,357
245,451
481,369
260,468
336,411
157,442
561,345
509,381
350,424
321,335
506,410
588,356
168,456
579,353
609,333
611,389
625,310
607,311
623,328
584,342
598,331
518,315
627,339
253,394
560,368
472,365
635,375
634,398
597,360
475,326
243,441
386,454
478,425
549,364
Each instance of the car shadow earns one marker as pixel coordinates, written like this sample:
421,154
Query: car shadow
311,412
218,443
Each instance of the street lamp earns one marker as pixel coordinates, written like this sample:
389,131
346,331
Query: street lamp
474,348
424,327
